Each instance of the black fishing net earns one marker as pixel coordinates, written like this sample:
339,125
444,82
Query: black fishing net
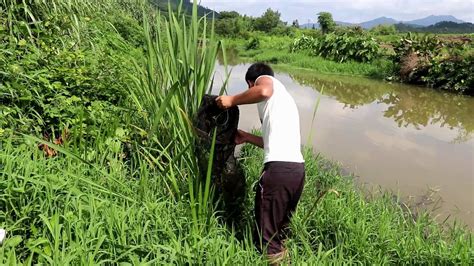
227,176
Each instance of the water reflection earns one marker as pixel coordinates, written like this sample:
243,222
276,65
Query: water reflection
232,57
406,105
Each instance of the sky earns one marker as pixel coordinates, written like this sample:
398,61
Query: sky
353,11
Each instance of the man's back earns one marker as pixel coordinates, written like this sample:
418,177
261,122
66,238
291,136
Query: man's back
280,125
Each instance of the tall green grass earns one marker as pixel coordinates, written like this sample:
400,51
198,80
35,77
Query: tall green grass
178,70
63,211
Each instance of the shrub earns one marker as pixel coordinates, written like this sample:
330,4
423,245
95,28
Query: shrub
303,43
339,48
252,44
428,60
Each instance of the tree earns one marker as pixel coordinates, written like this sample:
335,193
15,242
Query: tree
229,23
326,22
268,21
228,15
295,24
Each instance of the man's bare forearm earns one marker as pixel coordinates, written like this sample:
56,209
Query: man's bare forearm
254,139
253,95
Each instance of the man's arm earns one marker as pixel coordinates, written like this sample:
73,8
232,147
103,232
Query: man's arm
245,137
262,90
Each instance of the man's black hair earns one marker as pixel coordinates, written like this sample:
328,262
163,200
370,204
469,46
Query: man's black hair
258,69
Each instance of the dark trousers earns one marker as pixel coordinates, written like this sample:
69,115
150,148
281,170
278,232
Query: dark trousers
278,192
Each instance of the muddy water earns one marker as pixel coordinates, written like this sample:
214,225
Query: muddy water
413,141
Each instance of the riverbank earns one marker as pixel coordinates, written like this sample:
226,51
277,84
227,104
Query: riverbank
276,50
89,212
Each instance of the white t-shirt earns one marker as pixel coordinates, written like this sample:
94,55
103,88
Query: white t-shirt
280,125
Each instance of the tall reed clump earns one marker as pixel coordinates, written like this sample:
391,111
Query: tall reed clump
180,56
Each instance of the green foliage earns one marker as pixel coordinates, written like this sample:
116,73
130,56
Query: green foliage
356,31
454,73
283,30
65,211
253,44
268,21
67,70
186,6
429,60
426,46
340,47
384,30
229,24
303,43
326,22
130,192
96,203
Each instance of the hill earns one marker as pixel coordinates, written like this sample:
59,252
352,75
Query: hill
440,27
417,23
432,20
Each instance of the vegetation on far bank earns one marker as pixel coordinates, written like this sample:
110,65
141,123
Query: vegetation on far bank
443,62
98,163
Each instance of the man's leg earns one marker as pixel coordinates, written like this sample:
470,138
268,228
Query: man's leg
280,186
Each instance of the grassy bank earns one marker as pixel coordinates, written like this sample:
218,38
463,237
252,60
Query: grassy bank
276,50
64,210
106,172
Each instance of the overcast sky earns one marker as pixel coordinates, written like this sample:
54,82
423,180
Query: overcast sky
349,10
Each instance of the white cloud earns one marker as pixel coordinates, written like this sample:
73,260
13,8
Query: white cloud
350,10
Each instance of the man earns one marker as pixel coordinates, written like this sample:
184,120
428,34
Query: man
282,180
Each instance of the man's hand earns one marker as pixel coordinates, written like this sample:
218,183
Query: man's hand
224,101
240,137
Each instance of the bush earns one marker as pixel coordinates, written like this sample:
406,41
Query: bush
428,60
453,74
252,44
339,48
66,76
303,43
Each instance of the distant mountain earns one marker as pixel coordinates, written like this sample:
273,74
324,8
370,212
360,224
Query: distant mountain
423,22
378,21
440,27
431,20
